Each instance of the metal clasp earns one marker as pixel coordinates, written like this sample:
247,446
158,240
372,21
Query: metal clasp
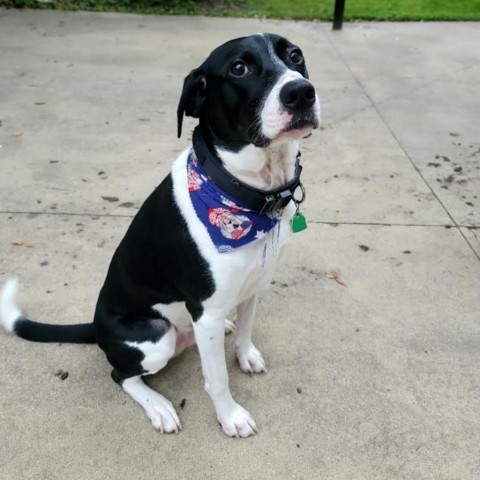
276,201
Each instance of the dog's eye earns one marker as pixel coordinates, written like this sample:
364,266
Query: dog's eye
239,69
296,56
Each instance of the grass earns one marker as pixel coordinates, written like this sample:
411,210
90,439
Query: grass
371,9
395,10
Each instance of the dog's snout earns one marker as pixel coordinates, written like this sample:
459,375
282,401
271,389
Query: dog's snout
297,96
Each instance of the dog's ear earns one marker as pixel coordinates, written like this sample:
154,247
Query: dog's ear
193,96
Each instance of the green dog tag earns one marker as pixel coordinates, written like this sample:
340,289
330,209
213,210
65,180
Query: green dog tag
298,223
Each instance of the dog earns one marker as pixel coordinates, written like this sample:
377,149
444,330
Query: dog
206,240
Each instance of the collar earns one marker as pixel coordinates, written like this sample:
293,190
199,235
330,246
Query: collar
255,199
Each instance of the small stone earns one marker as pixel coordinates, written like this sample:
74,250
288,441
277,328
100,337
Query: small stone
62,375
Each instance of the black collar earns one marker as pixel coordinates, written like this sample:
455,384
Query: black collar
260,201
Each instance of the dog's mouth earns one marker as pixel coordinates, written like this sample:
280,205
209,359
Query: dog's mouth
302,123
295,129
301,127
287,126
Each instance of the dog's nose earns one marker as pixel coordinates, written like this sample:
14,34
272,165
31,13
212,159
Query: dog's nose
297,95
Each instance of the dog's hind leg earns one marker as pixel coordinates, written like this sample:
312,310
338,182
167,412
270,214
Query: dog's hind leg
158,409
151,344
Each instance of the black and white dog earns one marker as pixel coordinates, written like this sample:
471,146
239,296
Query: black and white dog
207,239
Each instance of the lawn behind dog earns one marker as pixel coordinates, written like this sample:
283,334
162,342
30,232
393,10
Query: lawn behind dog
379,10
370,9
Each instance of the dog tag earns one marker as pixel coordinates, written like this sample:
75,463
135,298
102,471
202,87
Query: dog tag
298,223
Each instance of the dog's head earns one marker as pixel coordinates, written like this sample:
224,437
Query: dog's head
251,90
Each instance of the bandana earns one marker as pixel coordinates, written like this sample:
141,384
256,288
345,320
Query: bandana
229,224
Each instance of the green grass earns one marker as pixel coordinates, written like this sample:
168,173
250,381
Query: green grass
159,7
399,10
371,9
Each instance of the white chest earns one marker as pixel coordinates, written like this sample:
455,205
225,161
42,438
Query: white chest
237,274
241,273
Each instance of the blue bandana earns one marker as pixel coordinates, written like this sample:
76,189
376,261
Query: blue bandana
229,224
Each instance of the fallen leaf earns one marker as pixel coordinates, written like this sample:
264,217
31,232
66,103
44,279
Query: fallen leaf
334,276
23,244
19,134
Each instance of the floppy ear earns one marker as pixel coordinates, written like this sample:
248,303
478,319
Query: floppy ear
193,96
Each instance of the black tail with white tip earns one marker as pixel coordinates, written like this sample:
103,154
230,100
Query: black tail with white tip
12,320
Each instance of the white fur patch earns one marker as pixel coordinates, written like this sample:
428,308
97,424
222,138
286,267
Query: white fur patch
175,312
157,354
264,168
274,117
9,311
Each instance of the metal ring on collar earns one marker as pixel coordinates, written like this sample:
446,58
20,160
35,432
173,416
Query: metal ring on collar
304,194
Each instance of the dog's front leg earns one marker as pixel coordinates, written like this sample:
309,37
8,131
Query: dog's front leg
249,358
210,334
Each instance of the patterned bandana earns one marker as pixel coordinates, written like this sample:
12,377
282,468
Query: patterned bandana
229,224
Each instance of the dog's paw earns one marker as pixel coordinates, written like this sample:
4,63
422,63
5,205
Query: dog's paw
163,416
230,327
251,361
238,423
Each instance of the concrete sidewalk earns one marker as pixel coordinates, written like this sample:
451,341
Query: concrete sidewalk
371,329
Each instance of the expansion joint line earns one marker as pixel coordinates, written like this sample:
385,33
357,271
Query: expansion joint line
400,144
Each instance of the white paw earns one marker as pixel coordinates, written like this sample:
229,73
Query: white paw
238,422
230,327
251,361
162,414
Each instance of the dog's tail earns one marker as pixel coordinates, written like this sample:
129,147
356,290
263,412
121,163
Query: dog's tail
13,321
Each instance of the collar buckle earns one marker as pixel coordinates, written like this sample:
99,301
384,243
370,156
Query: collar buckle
276,201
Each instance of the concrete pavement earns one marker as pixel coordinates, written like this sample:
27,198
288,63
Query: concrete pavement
371,329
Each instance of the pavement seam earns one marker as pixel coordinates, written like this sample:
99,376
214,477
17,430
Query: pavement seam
70,214
315,222
400,144
389,224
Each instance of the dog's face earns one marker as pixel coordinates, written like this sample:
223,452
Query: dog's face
252,90
230,223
